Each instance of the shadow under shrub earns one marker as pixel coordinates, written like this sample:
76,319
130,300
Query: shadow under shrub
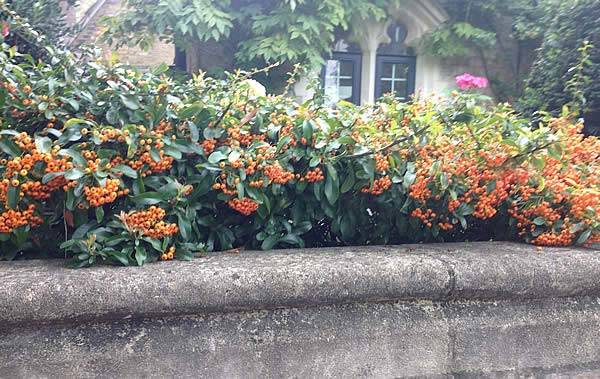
127,168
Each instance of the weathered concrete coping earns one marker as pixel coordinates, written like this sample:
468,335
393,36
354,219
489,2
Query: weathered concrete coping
46,291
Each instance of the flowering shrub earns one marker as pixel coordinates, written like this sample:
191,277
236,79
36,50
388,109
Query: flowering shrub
467,81
128,168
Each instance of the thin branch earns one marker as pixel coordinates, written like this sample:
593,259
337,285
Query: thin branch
536,149
249,116
223,114
479,146
388,146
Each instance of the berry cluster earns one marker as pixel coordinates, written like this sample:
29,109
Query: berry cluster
208,145
168,255
425,216
245,206
149,223
164,164
12,219
314,176
277,174
381,163
563,238
379,186
98,196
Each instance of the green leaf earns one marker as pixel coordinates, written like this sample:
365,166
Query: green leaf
444,181
173,152
347,227
369,167
76,121
140,255
409,179
74,174
539,221
75,155
292,239
160,69
348,182
51,175
185,227
99,214
12,197
120,257
584,237
332,186
315,161
150,198
43,144
463,222
465,210
9,147
538,162
191,110
216,157
125,170
269,242
194,133
307,130
130,102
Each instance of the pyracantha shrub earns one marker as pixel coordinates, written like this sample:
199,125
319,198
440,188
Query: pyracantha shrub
107,164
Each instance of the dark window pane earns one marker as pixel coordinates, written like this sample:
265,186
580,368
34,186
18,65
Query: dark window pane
388,69
346,68
401,90
396,74
386,86
401,71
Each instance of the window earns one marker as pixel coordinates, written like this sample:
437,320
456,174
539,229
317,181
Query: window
341,77
395,65
396,75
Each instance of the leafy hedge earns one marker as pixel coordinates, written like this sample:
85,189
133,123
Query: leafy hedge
559,62
47,15
127,168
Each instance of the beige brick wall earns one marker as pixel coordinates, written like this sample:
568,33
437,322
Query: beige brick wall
161,52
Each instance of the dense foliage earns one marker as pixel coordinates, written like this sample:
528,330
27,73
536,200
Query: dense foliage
132,168
570,53
296,31
127,168
501,34
47,15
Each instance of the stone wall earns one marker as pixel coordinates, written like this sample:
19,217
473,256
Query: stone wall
464,310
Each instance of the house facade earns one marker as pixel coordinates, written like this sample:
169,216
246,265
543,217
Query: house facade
374,57
384,56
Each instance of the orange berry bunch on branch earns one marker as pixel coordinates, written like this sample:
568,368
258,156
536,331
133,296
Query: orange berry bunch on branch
12,219
379,186
314,176
149,223
98,196
244,206
277,174
168,255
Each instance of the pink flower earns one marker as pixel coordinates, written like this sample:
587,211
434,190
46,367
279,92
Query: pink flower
5,29
467,81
